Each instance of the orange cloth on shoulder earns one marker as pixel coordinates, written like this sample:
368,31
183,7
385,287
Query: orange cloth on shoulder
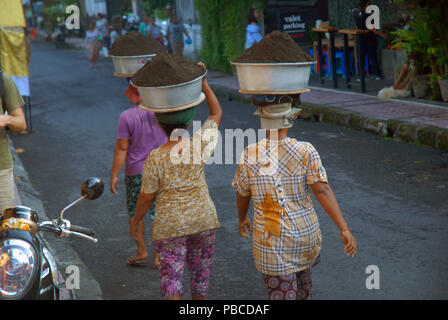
132,94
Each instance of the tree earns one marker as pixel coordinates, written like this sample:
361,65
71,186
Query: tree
156,7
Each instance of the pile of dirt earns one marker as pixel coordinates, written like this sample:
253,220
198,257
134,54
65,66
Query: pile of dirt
134,43
275,47
165,70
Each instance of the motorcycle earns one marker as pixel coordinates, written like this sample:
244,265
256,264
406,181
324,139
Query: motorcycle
28,270
61,36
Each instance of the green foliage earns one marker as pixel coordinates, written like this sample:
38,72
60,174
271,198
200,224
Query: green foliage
156,7
426,40
159,14
223,27
55,11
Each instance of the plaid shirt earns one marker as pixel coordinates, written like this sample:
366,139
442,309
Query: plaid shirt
277,175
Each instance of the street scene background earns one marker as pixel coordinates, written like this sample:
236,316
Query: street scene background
392,194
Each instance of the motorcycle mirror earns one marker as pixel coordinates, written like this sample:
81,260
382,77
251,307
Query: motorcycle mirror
92,188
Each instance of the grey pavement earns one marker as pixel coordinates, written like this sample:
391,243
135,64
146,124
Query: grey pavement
392,194
64,253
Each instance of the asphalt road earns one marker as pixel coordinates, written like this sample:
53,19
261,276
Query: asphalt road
392,194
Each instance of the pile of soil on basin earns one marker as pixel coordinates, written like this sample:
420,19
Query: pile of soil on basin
166,70
134,43
276,47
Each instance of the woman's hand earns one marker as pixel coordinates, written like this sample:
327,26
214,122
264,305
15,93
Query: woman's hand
349,242
244,227
114,184
204,81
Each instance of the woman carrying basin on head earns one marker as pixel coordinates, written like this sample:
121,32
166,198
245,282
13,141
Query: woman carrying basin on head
185,219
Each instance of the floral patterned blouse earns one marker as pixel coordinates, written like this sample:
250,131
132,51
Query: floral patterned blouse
183,202
277,175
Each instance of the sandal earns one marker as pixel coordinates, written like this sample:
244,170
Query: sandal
137,262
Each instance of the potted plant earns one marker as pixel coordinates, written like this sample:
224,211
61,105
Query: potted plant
441,68
443,83
426,42
413,40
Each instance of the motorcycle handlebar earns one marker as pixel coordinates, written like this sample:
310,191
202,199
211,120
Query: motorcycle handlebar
82,230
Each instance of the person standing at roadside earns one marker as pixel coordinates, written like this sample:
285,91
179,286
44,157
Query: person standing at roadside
92,45
144,25
103,28
154,30
253,30
175,35
12,102
367,42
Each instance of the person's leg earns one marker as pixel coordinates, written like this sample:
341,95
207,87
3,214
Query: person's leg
6,189
282,287
107,42
92,56
373,57
181,50
362,59
97,53
200,257
177,48
172,254
133,185
304,284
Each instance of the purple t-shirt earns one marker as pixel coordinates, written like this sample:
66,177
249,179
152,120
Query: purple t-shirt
140,127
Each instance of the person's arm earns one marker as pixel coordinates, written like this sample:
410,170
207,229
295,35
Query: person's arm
324,194
185,31
121,150
212,102
378,33
144,202
14,120
242,204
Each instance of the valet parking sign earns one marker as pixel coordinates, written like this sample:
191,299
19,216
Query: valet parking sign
294,25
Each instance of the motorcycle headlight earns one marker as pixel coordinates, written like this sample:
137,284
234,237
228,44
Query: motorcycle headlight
17,267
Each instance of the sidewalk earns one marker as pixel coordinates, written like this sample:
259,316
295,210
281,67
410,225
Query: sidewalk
414,122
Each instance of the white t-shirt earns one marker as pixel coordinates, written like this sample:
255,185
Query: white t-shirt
92,35
101,26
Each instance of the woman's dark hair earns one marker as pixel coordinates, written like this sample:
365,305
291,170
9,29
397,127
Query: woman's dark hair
251,16
169,128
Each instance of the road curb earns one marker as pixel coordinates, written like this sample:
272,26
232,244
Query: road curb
399,130
64,253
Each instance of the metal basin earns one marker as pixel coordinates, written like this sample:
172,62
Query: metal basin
171,97
130,64
273,77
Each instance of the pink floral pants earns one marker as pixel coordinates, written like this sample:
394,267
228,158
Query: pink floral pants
198,249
